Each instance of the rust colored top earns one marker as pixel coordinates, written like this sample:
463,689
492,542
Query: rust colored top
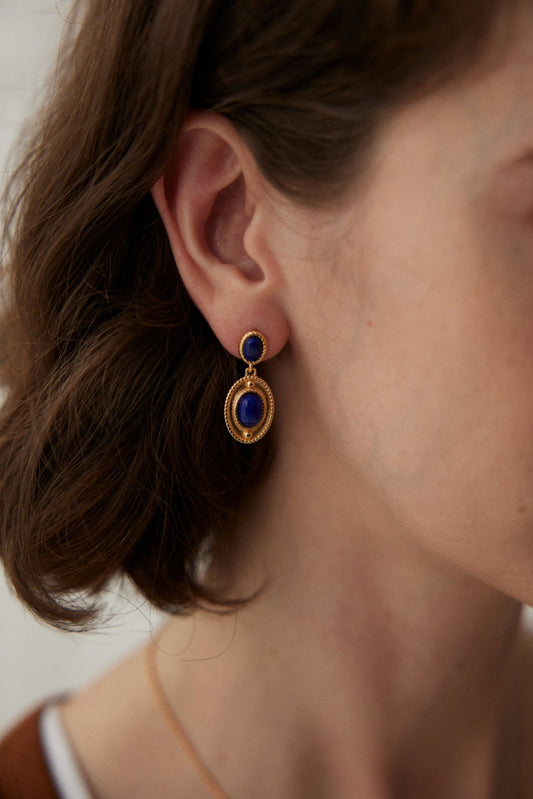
23,770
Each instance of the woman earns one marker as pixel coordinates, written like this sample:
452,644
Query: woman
347,188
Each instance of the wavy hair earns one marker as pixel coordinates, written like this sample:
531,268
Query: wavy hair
114,458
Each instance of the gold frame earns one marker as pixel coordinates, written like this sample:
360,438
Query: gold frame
243,339
247,384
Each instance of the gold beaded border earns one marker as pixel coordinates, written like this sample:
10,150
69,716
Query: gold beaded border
248,435
263,340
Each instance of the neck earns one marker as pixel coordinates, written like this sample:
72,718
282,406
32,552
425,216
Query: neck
395,674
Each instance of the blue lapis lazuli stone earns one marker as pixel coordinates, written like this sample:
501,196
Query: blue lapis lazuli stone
252,349
250,409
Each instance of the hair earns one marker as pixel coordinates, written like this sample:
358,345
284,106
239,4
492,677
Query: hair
114,458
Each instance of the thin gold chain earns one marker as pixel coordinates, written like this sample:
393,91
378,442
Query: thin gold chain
175,725
198,764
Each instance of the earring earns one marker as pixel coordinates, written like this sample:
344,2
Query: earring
249,406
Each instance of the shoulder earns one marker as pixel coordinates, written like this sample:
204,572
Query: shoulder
23,770
120,739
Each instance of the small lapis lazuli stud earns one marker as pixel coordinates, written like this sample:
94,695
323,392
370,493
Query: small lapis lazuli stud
252,349
250,409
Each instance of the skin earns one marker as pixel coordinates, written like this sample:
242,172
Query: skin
394,534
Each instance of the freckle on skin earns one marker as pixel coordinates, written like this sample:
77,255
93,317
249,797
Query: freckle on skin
522,509
370,323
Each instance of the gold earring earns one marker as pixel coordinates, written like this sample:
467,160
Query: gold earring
249,406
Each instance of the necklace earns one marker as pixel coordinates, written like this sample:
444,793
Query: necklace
175,725
205,773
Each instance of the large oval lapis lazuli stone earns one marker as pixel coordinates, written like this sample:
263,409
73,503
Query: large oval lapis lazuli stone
250,409
252,349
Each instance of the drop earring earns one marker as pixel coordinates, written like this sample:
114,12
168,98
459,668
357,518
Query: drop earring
249,406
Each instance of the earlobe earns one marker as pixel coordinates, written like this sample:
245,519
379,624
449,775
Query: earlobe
207,200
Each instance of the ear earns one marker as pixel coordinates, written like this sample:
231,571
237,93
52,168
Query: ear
212,200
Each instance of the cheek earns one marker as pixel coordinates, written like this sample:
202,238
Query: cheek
436,409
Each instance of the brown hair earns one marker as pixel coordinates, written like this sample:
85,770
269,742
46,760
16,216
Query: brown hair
114,458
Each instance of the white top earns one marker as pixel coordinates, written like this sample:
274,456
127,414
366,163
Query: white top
66,774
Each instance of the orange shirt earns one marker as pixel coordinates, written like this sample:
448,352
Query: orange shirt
23,770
